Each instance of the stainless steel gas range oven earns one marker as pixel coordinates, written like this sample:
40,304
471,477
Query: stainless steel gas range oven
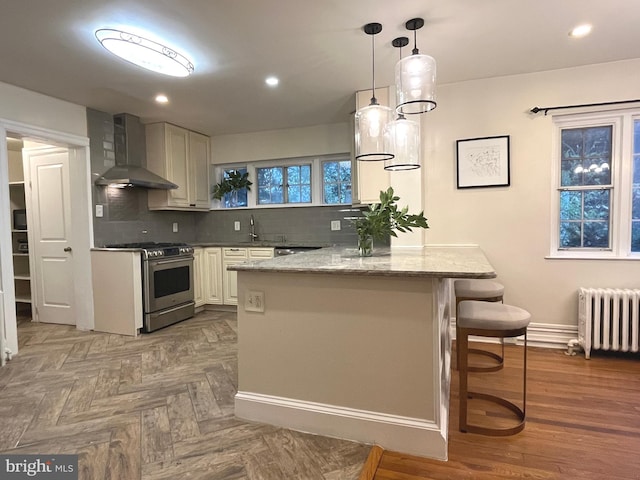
167,282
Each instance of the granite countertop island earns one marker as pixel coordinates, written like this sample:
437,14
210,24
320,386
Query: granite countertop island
441,262
350,347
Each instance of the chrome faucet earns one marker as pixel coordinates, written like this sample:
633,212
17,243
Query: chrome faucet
252,233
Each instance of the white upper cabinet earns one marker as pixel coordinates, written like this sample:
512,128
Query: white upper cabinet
182,157
371,177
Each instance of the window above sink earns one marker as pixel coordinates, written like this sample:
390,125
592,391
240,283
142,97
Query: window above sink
295,182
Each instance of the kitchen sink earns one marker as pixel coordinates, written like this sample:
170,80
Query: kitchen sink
282,251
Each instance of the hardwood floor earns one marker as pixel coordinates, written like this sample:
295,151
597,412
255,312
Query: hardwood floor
583,422
159,406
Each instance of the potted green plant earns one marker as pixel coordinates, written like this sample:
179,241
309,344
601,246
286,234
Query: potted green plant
231,183
383,219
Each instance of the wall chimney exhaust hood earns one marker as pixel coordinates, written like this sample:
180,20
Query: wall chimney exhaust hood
130,153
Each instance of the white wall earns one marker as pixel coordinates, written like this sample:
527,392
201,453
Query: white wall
37,110
512,224
286,143
24,111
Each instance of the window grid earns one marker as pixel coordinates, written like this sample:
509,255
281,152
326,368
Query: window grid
336,177
280,184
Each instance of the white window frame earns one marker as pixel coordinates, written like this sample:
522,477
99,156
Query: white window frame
252,195
621,180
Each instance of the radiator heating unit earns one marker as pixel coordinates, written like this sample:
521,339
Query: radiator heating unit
608,319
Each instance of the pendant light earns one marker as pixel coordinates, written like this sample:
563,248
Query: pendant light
402,136
415,78
371,120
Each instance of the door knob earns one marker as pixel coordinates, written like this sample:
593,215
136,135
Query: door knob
67,249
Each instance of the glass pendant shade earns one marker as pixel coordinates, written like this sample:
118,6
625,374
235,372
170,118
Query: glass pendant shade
402,138
370,122
415,84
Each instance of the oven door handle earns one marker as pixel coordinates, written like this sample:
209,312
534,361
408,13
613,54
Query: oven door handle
176,260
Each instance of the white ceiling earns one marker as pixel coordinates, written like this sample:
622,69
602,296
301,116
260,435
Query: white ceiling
316,47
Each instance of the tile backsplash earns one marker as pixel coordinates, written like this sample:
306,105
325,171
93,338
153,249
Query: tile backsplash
294,225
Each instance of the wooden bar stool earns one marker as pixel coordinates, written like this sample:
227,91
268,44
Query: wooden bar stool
486,291
495,320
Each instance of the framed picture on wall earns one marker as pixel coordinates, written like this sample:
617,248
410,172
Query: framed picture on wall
483,162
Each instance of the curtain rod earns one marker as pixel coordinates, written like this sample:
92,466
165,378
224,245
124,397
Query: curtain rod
546,109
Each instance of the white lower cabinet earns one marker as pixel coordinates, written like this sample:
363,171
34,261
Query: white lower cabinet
231,256
213,283
213,276
198,280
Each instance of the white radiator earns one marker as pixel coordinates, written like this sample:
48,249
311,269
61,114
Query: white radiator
608,319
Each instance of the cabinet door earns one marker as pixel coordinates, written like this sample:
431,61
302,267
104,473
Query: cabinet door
198,278
199,186
177,148
213,275
371,177
230,283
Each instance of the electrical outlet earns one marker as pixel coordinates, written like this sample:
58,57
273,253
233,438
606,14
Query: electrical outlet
175,227
254,302
99,211
236,226
335,225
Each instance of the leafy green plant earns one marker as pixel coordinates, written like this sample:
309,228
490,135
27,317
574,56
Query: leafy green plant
383,219
233,181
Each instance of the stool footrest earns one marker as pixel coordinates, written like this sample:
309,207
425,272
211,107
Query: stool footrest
497,432
491,368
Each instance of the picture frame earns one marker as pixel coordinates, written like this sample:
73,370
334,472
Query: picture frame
483,162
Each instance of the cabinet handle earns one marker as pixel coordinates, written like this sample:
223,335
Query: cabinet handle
67,249
192,204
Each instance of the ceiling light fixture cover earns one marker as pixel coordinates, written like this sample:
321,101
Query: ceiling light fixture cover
402,136
145,53
371,120
415,78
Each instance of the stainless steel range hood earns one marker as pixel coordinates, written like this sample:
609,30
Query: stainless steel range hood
130,153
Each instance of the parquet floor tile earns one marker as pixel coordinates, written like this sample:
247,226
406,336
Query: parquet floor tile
154,407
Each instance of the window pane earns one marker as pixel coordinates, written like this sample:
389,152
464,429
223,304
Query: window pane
596,205
237,198
293,174
570,205
584,218
305,194
586,156
596,234
305,174
570,234
635,236
270,185
293,193
336,180
331,193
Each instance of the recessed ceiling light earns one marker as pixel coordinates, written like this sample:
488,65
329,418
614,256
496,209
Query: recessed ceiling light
162,98
145,53
272,81
580,31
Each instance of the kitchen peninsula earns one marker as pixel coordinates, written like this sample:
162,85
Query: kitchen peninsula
358,348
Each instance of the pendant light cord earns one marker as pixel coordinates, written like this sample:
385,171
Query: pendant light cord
374,100
415,43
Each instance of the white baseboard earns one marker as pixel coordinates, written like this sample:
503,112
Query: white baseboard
402,434
546,335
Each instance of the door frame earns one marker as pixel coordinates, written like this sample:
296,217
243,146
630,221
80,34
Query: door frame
81,217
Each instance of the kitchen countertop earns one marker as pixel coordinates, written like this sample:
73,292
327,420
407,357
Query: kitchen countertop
442,262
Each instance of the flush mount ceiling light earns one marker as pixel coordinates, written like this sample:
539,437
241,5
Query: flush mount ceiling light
402,136
160,98
145,53
272,81
415,78
371,120
580,31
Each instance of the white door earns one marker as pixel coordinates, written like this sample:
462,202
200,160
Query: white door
49,235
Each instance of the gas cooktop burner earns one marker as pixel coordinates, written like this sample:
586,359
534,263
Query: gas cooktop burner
156,249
